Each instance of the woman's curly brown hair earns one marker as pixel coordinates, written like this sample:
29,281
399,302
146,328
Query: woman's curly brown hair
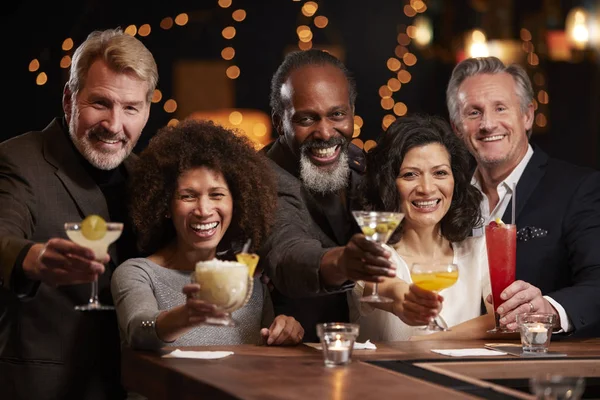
379,191
192,144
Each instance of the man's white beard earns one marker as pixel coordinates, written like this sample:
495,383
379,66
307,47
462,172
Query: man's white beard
325,180
100,160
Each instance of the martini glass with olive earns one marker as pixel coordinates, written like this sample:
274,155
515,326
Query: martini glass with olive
377,226
96,234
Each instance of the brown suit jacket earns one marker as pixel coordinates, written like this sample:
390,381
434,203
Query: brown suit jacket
52,351
307,225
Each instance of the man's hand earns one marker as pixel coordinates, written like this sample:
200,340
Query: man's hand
62,262
521,297
419,306
283,331
363,260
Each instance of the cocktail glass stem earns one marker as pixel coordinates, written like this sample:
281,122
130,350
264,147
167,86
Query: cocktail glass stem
94,296
93,303
437,324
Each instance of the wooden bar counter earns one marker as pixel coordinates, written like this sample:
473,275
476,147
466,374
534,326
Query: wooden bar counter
262,372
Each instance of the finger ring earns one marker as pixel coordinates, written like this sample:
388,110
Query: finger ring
530,307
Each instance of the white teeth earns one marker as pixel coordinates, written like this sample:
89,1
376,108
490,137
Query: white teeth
109,141
204,227
425,204
492,138
326,152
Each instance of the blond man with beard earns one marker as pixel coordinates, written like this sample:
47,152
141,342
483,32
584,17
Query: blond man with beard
316,252
77,166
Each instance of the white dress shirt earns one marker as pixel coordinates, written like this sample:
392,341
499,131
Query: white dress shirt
505,193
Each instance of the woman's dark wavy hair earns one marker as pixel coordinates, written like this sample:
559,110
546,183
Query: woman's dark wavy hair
379,189
192,144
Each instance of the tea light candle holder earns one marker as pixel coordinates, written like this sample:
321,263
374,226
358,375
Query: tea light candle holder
337,340
536,331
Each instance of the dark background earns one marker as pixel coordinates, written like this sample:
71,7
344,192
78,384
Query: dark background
365,30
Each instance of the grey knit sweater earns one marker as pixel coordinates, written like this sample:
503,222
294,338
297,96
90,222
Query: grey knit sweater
142,289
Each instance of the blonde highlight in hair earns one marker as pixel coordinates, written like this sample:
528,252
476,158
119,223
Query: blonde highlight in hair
120,51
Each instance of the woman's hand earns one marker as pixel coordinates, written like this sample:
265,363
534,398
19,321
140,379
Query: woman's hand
418,306
197,311
283,331
173,323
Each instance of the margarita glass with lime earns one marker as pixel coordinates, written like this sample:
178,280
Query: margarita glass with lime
96,234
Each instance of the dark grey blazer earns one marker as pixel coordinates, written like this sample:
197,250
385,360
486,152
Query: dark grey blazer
562,201
306,226
53,351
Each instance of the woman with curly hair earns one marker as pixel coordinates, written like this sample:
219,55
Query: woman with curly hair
420,168
198,192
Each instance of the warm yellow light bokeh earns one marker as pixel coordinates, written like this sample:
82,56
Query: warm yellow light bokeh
254,124
156,96
239,15
233,72
228,32
131,30
182,19
34,65
166,23
321,21
170,106
41,79
228,53
65,62
144,30
67,44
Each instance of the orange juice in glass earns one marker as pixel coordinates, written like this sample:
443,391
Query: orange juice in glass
501,243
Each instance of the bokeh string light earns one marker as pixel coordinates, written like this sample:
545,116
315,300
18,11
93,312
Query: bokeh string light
402,60
541,99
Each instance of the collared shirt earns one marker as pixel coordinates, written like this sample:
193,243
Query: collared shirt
505,193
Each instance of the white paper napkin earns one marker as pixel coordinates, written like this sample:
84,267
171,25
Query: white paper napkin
469,352
357,345
206,355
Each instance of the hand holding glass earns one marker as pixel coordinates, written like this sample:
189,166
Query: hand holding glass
227,285
377,226
99,245
434,277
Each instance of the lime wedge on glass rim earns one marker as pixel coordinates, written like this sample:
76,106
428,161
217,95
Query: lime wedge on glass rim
93,227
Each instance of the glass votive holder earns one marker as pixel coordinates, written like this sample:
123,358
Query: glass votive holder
548,386
536,331
337,341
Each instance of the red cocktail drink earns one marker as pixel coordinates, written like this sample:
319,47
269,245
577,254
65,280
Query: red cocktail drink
501,243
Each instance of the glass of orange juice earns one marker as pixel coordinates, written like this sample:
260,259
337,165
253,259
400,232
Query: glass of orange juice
434,277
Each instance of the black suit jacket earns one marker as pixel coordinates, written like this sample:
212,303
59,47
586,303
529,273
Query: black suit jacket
564,200
306,226
53,351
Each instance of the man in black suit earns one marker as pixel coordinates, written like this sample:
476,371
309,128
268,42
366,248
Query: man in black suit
314,252
557,204
76,166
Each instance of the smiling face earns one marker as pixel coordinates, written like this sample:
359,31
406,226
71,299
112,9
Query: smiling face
493,126
317,124
201,209
425,184
107,116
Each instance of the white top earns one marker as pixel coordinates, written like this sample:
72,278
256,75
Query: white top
505,192
462,301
